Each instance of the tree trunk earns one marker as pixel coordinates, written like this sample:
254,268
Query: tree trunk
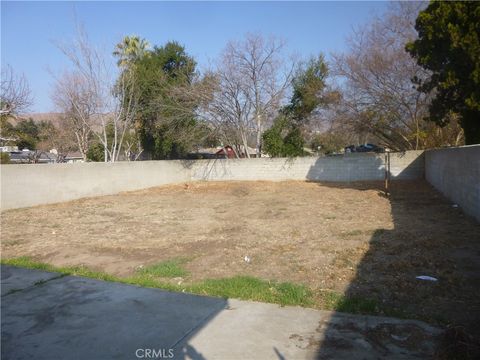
258,147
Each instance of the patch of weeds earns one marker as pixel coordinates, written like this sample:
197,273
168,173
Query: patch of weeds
378,241
12,242
28,263
147,281
86,272
167,269
352,233
345,258
295,233
342,262
250,288
402,314
329,217
354,305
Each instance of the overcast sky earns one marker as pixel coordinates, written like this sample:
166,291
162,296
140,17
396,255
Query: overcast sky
30,29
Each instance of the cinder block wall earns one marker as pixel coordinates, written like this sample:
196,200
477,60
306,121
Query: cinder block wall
456,173
350,167
35,184
28,185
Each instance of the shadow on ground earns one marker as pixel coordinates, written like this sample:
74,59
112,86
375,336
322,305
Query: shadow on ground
431,236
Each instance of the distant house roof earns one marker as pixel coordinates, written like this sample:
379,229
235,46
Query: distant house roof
26,157
74,155
219,152
230,152
251,151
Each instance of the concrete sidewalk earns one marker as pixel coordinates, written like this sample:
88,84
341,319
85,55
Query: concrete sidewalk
49,316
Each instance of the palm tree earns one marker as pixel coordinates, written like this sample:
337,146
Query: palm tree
130,49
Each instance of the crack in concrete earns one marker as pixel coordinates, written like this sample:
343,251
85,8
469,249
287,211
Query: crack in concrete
37,283
200,324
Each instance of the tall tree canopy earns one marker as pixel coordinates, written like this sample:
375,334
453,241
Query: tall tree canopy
130,49
448,45
376,72
308,85
166,119
285,137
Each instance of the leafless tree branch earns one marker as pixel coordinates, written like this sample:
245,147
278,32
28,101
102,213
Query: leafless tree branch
16,96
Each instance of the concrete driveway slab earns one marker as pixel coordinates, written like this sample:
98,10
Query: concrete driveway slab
268,331
14,279
77,318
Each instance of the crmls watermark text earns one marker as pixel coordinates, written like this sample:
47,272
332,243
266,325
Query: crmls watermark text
154,353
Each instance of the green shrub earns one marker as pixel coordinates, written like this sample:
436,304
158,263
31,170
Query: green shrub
283,139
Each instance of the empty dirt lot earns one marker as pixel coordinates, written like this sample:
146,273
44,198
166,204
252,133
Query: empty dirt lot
349,238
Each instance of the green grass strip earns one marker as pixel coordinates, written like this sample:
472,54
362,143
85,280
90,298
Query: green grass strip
238,287
168,269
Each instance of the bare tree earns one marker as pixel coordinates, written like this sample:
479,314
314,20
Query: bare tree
73,98
230,111
132,148
15,95
379,96
59,138
253,77
123,109
94,99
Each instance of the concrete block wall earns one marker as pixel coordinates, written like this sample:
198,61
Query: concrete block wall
35,184
252,169
350,167
455,172
408,165
29,185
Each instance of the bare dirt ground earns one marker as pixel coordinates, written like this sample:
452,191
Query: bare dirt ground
344,237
